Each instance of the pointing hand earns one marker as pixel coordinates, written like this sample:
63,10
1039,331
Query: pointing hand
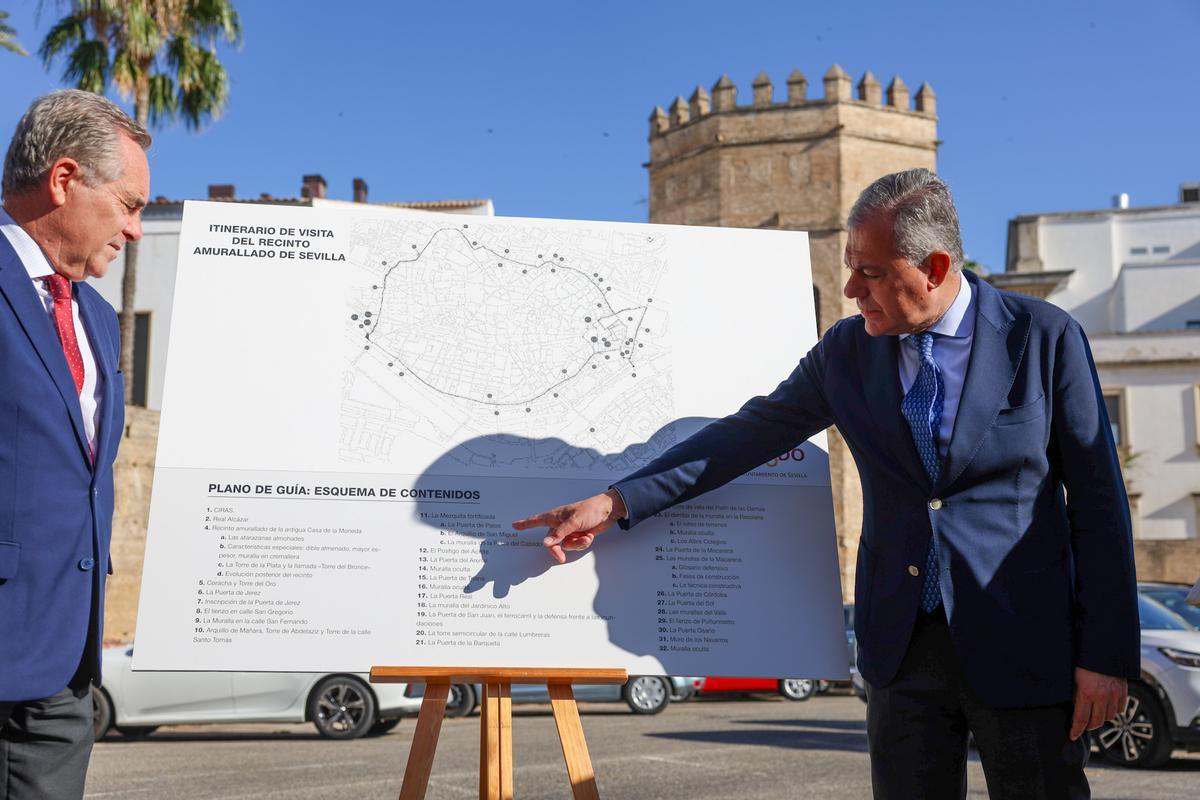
575,525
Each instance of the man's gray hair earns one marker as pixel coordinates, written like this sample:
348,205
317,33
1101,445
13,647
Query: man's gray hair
922,212
69,124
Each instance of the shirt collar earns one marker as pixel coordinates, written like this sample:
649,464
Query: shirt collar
27,249
957,322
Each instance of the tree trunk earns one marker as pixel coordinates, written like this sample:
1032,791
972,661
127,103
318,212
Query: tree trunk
128,316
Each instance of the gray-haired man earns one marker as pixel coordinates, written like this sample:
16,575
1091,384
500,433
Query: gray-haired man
995,586
75,182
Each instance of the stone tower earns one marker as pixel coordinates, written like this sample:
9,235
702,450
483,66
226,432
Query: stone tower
796,164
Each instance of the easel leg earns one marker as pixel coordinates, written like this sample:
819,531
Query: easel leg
506,742
424,744
495,742
574,746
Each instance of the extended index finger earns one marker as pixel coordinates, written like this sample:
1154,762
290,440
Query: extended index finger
546,519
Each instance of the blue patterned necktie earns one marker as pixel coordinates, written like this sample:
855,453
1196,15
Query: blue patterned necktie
922,408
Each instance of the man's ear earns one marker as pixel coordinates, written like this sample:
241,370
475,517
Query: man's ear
937,267
65,175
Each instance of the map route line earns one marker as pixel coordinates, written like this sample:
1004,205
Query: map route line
553,266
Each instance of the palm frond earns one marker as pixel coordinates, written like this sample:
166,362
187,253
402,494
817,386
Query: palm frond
7,34
213,19
140,33
63,36
162,99
88,66
207,96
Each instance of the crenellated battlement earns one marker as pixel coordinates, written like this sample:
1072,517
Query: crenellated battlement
838,88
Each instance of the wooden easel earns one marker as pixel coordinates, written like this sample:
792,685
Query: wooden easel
495,723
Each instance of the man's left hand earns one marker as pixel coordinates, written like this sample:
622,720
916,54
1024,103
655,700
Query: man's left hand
1098,698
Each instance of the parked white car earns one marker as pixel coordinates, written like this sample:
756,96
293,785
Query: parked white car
1163,712
644,694
340,705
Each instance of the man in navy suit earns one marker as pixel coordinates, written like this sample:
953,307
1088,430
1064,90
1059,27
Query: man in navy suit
75,182
995,589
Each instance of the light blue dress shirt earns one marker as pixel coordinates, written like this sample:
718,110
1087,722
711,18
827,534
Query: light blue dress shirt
953,334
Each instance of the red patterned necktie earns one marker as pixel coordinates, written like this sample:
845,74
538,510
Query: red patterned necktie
64,320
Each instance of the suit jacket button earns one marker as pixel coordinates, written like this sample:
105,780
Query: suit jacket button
912,570
86,563
935,504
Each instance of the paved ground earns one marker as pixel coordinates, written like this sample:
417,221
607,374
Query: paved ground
709,749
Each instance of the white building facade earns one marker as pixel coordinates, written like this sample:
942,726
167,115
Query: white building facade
1131,277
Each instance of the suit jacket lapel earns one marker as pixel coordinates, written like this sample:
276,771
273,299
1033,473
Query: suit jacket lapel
996,352
881,380
102,350
18,290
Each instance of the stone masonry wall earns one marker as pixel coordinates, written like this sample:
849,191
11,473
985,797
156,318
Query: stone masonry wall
133,476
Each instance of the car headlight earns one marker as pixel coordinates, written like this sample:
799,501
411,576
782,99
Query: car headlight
1181,657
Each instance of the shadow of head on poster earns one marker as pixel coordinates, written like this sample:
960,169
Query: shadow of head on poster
511,558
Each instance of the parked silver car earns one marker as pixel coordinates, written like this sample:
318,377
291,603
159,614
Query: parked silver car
1163,712
340,705
644,694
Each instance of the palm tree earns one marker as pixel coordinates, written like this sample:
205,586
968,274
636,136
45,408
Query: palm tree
7,37
162,53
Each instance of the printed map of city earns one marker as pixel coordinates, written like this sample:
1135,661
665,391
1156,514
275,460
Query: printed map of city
505,344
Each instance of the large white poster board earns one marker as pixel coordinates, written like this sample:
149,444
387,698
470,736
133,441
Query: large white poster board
359,402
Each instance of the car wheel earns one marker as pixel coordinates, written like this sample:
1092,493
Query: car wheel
342,707
1138,737
461,700
102,713
383,726
136,731
797,688
647,694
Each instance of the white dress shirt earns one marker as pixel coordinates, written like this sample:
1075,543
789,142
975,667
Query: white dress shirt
953,334
38,267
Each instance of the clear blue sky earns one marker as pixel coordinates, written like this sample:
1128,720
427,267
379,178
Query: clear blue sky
543,106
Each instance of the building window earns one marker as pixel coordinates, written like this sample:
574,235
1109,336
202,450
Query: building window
1196,414
1162,248
1138,251
1192,324
141,358
1114,404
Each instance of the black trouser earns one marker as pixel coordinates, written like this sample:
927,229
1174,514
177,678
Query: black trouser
917,730
45,745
